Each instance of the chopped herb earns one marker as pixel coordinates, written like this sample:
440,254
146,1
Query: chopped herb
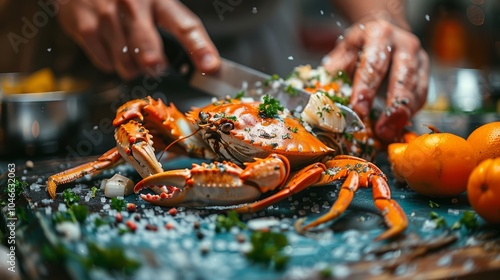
117,203
326,272
294,130
233,118
274,77
224,222
112,258
439,220
274,145
270,107
267,249
79,211
239,95
433,204
291,90
94,190
468,220
17,187
100,222
342,76
70,197
286,136
338,99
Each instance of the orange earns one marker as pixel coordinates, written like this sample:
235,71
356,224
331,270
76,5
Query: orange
483,190
485,140
438,164
395,151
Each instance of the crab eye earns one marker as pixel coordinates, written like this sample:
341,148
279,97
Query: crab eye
226,127
203,117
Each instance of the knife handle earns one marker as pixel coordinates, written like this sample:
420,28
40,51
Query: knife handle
179,62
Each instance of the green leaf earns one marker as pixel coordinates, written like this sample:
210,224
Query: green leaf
270,107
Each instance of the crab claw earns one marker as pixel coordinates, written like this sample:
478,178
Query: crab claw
136,147
204,185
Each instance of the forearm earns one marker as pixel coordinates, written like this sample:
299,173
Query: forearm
355,10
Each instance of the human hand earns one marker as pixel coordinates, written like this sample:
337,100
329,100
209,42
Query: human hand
121,35
372,50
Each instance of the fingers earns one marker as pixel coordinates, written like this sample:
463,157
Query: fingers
407,90
144,44
188,29
373,50
368,43
112,33
81,23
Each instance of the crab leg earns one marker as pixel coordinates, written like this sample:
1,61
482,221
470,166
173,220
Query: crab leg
107,160
394,215
357,173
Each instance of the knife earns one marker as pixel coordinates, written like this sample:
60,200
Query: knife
232,78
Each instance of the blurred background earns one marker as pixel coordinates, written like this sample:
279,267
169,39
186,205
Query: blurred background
461,37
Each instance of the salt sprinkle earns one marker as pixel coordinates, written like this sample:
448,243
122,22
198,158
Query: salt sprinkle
49,49
427,17
125,49
136,50
254,10
290,58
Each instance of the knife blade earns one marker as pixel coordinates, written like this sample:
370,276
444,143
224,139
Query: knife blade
233,78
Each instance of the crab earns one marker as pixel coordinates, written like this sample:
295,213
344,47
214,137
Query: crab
254,147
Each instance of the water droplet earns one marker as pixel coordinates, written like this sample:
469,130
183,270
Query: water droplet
338,23
427,17
361,26
389,48
125,49
254,10
321,12
290,58
341,37
136,50
49,49
203,73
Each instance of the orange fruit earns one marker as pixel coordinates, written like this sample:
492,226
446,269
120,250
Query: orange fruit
485,140
395,152
438,164
483,190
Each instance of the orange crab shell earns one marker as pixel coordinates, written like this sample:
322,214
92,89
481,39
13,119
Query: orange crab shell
283,134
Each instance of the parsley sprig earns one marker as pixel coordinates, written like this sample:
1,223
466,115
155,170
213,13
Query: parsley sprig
270,107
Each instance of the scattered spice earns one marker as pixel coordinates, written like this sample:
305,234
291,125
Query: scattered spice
173,212
131,225
131,207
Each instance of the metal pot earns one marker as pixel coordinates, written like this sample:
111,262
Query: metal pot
40,123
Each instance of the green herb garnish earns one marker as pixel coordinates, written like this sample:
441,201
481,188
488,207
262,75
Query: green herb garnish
233,118
439,220
342,76
292,90
267,249
239,95
117,204
274,77
433,204
79,211
70,197
468,220
93,191
232,219
112,258
270,107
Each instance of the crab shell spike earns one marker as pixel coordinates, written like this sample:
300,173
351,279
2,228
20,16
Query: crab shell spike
321,112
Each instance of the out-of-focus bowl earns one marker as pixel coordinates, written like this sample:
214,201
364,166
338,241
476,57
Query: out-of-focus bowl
39,123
